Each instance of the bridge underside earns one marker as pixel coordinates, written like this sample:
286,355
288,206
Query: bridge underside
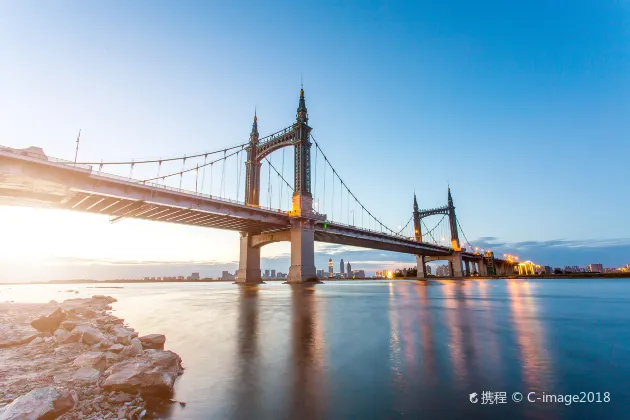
24,182
347,239
119,208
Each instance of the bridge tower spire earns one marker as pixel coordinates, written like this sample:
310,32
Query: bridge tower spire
453,223
416,219
252,167
302,174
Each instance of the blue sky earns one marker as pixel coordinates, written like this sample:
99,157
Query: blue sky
521,107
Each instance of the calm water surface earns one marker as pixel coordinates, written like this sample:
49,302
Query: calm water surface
383,349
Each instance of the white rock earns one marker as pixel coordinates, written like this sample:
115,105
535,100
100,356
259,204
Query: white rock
89,335
62,335
91,359
153,341
86,374
40,403
116,348
123,339
153,373
36,341
69,325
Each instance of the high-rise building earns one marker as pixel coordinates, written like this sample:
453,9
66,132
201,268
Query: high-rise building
320,273
273,274
428,269
360,274
349,270
341,268
330,268
443,271
194,276
595,268
266,275
225,275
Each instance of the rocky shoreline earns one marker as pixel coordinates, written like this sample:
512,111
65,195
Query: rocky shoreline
75,360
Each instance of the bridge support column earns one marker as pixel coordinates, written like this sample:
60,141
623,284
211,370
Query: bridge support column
302,252
421,267
483,271
456,265
249,262
468,272
500,269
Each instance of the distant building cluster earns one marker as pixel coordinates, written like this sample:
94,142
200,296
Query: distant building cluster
591,268
345,271
192,277
271,274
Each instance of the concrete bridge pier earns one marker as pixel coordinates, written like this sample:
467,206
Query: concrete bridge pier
456,265
302,252
421,267
468,272
249,262
303,240
483,271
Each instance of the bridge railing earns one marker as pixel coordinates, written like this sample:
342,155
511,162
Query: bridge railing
183,191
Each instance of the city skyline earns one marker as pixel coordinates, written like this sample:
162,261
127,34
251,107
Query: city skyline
409,88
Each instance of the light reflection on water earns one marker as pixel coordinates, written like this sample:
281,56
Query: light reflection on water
381,349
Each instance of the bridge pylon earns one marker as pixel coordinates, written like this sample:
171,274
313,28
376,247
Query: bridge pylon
302,218
455,259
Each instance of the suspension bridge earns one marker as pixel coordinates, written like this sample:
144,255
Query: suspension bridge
317,206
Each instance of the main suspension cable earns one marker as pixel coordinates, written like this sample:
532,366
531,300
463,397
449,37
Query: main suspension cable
136,162
349,191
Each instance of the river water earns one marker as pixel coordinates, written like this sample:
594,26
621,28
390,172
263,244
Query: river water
385,349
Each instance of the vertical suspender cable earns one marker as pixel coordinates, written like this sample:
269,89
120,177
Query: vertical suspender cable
332,216
222,186
269,182
315,186
238,172
181,174
324,198
282,170
203,174
211,178
196,178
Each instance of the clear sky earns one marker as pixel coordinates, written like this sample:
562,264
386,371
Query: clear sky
522,107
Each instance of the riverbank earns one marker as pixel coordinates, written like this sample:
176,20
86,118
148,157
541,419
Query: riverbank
75,360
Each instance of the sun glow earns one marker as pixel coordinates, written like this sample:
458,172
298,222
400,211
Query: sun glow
33,236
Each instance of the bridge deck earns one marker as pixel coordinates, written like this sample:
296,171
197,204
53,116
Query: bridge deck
37,180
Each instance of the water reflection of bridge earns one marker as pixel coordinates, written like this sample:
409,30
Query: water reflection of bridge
445,339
